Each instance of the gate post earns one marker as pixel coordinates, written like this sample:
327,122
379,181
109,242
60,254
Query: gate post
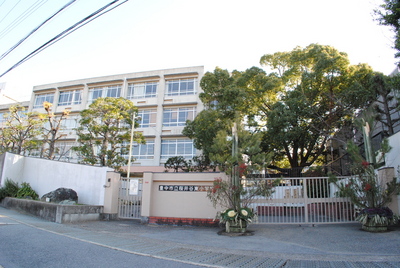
111,195
146,194
305,187
386,174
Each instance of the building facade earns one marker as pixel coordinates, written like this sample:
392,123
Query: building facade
165,99
5,109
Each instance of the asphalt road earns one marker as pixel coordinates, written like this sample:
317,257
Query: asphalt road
27,241
25,246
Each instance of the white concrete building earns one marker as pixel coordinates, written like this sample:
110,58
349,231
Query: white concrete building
165,99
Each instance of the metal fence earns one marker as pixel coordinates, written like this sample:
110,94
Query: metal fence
303,200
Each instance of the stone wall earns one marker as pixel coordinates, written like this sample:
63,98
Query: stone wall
54,212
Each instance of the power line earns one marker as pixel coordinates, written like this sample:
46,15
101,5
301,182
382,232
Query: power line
21,17
10,11
2,3
66,32
34,30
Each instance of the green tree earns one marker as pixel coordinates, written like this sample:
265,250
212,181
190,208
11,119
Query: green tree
20,132
176,163
386,104
230,97
204,128
317,100
389,14
104,130
202,163
249,154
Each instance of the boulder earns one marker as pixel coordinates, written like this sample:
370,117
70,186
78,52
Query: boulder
59,195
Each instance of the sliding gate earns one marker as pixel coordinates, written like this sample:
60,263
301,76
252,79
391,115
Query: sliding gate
130,198
303,200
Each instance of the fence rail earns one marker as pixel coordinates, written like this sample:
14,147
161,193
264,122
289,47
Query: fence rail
303,200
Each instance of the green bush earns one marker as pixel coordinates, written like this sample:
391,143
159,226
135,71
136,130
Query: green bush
2,194
10,189
26,190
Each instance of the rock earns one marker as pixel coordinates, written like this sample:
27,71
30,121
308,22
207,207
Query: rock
61,194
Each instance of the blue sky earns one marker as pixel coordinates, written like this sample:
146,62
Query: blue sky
158,34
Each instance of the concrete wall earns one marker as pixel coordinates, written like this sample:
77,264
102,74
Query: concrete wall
392,158
46,175
387,174
176,203
12,167
54,212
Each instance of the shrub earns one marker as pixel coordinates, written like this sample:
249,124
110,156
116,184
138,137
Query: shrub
27,191
10,189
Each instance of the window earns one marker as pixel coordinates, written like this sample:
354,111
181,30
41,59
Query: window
64,151
95,93
2,119
69,123
113,91
148,117
102,92
178,116
70,97
41,98
181,87
142,90
177,147
143,151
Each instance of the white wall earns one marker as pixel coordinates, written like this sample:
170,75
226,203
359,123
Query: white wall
13,166
393,160
46,175
393,157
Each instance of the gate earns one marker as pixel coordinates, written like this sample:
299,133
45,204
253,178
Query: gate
303,200
130,198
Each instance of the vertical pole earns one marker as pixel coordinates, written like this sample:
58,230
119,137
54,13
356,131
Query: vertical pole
130,154
235,169
305,186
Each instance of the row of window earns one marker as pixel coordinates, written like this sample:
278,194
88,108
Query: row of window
169,148
172,117
135,91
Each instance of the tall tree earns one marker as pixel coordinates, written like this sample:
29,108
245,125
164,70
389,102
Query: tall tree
204,128
228,98
248,156
389,14
386,103
104,132
21,131
308,96
318,98
232,99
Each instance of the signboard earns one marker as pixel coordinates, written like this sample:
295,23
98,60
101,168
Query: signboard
133,187
183,188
